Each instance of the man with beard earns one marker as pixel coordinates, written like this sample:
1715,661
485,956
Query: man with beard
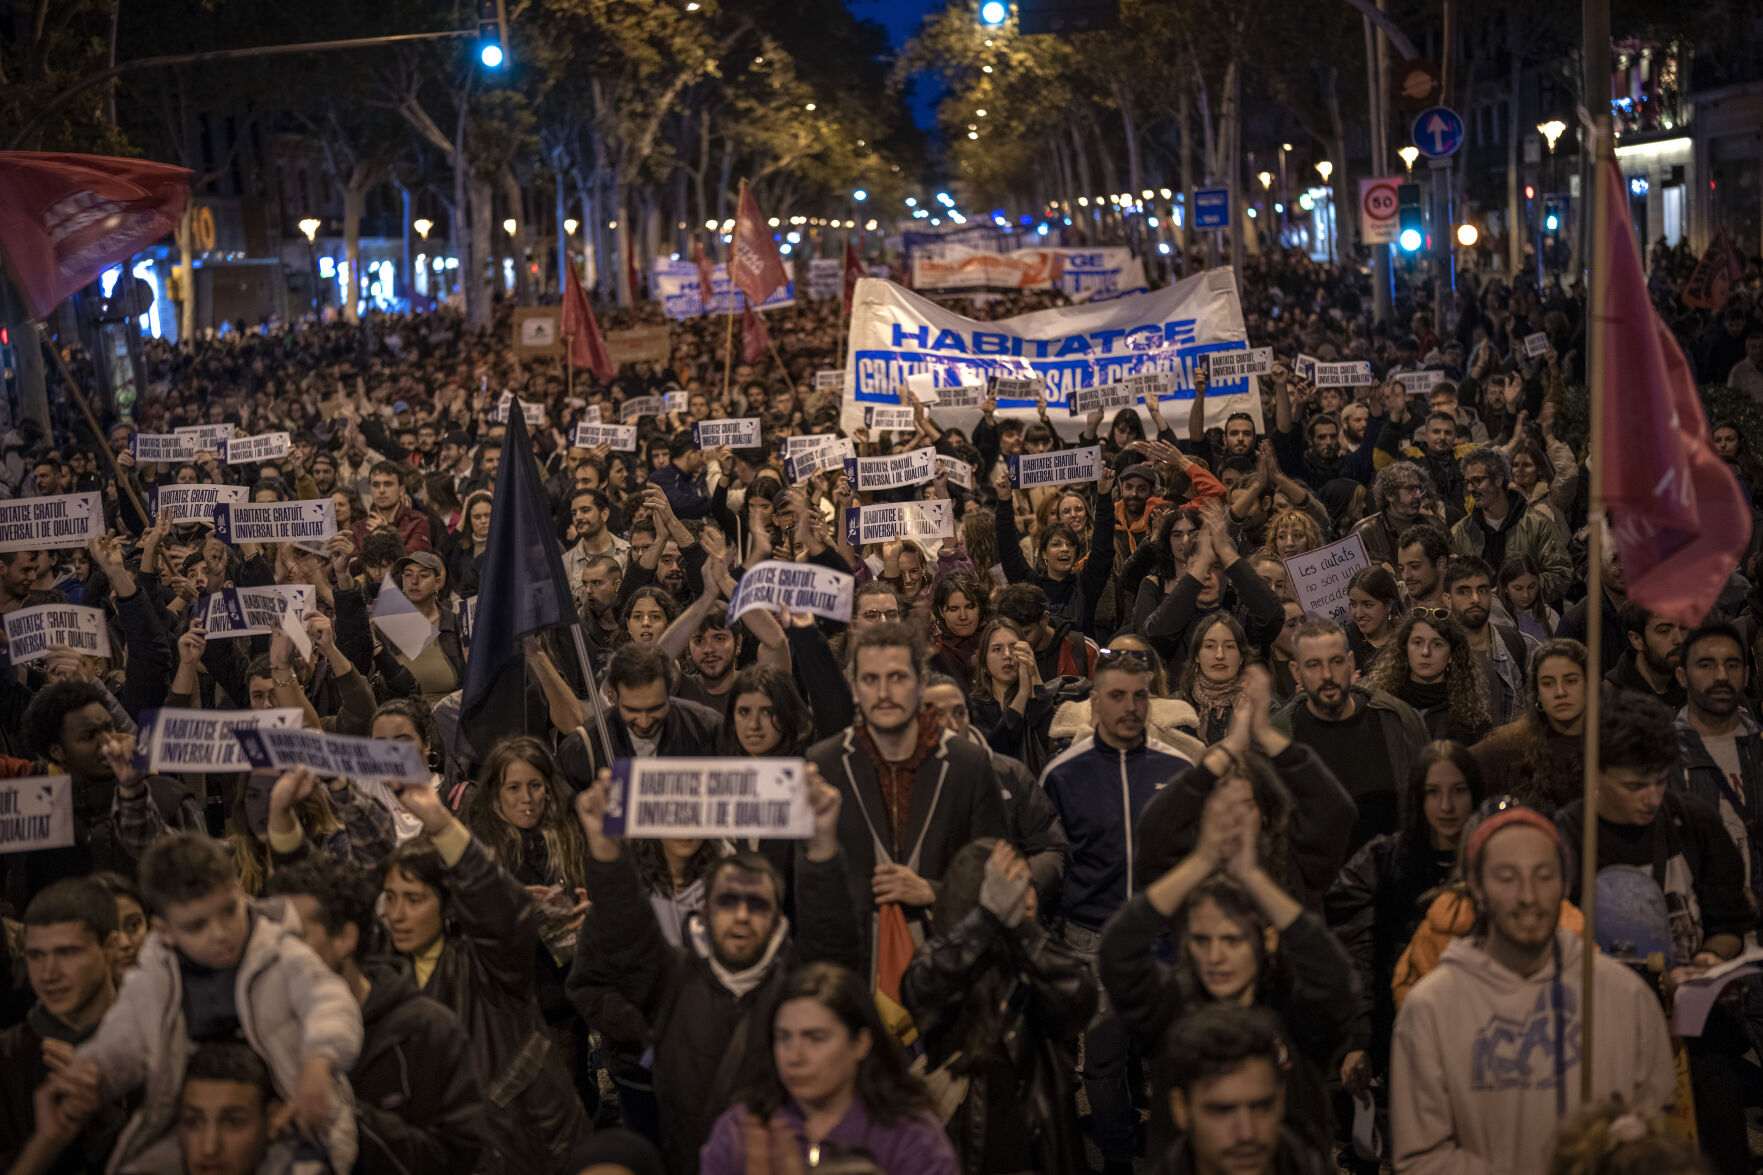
1650,664
1483,1069
1421,554
456,462
1320,461
1236,440
1503,525
914,794
1719,744
588,511
1678,841
1437,454
708,1003
324,474
597,598
1366,737
1612,639
1355,418
1499,648
714,648
645,718
1398,493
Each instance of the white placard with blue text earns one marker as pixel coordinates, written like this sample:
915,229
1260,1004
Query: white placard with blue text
800,587
738,433
199,741
269,446
47,524
892,472
699,798
195,503
333,754
311,520
31,631
934,519
36,812
1055,468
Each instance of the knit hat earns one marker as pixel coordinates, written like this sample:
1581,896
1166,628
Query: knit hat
1505,818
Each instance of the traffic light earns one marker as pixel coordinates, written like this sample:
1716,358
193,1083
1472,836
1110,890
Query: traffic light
492,25
1530,192
1554,213
1410,225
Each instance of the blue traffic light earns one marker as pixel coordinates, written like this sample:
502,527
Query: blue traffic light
491,55
993,12
1552,223
1409,240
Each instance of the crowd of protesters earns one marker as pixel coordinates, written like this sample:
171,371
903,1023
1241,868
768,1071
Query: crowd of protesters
1196,882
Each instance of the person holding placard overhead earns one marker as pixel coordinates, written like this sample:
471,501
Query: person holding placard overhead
709,1002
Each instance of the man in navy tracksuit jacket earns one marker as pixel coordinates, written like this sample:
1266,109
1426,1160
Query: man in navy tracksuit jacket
1099,786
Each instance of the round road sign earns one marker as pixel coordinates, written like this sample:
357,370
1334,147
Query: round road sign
1437,132
1378,201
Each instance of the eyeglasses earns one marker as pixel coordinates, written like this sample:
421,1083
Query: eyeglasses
1431,614
877,616
1108,657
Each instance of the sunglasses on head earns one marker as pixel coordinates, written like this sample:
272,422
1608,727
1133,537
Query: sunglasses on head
1108,657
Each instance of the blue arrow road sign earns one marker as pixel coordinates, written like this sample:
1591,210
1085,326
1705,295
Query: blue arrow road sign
1437,132
1212,208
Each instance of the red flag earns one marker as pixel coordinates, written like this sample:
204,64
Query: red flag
1680,521
753,264
853,271
754,336
587,347
1713,275
706,282
631,273
64,219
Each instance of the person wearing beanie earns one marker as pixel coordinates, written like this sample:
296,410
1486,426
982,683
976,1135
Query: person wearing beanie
1486,1059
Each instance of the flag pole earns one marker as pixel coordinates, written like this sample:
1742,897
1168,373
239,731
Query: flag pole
776,358
79,399
728,335
1596,29
581,654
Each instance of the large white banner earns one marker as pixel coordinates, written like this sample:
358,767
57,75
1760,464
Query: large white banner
675,285
895,333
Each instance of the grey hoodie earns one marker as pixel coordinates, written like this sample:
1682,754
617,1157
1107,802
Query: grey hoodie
291,1007
1473,1070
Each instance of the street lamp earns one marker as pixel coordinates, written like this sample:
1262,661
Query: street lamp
509,225
569,226
422,225
860,195
310,227
1467,235
1551,131
1325,169
1409,154
1266,179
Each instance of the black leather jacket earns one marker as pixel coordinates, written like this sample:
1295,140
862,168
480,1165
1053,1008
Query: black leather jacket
1048,997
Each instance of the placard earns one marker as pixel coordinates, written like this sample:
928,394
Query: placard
208,436
1059,467
1013,388
47,524
36,812
1149,386
1535,344
618,437
829,381
640,406
310,520
801,466
698,798
956,470
1419,382
534,413
889,418
195,503
1355,373
1320,577
333,754
934,519
800,587
587,413
1228,365
251,611
922,386
677,401
538,330
737,433
269,446
961,396
892,472
201,741
162,448
1304,367
466,610
639,344
1104,398
30,631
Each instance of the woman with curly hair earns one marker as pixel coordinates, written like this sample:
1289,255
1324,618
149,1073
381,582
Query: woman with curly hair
1429,665
1292,532
1540,757
961,605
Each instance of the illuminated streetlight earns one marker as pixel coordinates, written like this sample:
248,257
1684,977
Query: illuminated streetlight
808,106
1551,131
979,113
1266,179
1165,193
1083,201
310,227
570,225
985,69
911,202
1467,235
973,134
711,224
869,226
1146,194
1325,169
1409,154
509,225
860,195
422,226
772,222
993,12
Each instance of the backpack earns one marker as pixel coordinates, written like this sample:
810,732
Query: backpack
1077,658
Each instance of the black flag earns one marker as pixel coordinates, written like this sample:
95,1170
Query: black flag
522,589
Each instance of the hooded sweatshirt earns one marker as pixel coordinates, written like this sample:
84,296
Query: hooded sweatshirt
1485,1064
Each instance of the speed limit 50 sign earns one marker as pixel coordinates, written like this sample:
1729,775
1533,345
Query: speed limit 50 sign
1377,210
